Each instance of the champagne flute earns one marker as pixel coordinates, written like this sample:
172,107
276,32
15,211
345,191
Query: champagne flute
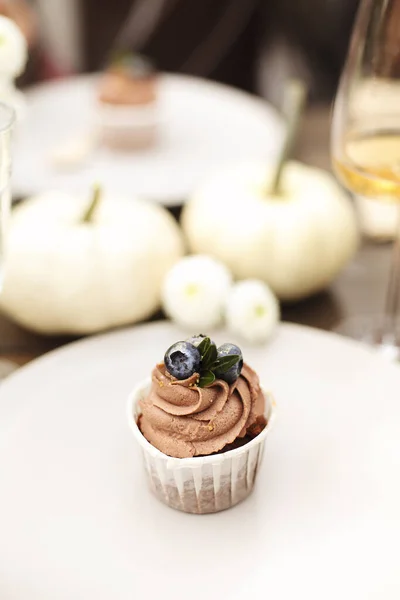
7,119
366,142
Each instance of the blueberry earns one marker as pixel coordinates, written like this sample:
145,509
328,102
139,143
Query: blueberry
182,360
196,339
233,373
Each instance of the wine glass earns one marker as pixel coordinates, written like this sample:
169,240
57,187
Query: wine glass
7,119
366,142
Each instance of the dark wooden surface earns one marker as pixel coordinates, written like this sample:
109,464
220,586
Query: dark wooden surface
359,288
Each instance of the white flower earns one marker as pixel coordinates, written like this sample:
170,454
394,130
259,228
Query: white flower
195,291
13,49
252,310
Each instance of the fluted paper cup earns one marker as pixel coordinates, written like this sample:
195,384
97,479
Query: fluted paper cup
205,484
128,126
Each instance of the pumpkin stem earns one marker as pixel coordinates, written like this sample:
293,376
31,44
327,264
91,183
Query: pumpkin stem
294,101
94,202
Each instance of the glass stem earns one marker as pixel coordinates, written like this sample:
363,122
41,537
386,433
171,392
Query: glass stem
388,333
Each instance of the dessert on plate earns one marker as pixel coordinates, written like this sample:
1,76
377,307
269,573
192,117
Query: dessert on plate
201,421
127,103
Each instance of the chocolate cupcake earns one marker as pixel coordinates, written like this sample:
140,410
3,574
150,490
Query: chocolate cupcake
128,103
201,421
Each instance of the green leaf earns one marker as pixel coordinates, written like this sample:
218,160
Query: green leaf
206,378
209,357
223,364
203,346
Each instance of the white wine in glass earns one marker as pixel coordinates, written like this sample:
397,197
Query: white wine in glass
366,141
371,165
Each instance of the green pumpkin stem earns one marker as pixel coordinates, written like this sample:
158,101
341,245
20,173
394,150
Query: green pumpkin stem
94,202
294,100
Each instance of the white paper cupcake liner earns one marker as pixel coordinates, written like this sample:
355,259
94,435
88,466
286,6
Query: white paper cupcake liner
205,484
128,127
121,116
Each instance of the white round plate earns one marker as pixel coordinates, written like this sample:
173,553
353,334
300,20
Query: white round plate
205,126
77,521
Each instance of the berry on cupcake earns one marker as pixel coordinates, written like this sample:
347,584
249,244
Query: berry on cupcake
200,355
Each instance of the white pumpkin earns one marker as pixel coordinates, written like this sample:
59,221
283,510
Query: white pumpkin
64,275
13,49
296,242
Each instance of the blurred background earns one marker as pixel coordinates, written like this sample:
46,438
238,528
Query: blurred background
252,44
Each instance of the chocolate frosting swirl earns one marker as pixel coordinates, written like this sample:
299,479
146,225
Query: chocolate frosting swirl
183,420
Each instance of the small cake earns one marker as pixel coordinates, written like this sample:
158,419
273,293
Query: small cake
202,422
127,103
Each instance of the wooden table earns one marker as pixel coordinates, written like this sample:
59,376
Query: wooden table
359,289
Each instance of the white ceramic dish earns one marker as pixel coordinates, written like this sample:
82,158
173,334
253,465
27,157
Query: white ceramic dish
77,520
204,126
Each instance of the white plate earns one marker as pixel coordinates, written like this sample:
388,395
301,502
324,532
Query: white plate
77,521
206,126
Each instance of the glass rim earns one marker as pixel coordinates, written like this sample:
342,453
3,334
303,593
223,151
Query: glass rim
7,117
